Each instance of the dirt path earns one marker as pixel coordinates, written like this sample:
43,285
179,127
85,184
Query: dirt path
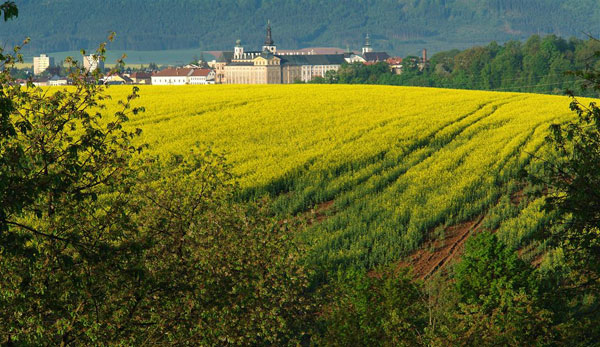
436,254
319,213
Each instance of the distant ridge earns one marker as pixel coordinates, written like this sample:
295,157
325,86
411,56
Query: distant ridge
399,27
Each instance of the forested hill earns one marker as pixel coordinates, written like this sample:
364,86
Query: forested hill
538,65
398,26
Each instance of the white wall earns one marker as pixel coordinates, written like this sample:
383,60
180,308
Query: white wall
169,80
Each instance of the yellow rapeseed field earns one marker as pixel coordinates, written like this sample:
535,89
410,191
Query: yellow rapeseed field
398,162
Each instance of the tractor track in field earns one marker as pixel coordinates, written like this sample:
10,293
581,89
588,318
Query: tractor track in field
426,141
436,254
427,264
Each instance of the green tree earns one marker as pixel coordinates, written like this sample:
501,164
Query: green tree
498,298
331,77
571,174
382,308
506,66
573,177
220,272
9,10
102,245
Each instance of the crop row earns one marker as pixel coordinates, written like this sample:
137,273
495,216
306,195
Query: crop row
396,162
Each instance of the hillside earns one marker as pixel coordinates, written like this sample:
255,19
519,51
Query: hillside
379,170
401,27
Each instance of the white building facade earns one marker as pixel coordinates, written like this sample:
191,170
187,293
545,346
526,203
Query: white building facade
91,63
311,71
183,76
57,81
42,63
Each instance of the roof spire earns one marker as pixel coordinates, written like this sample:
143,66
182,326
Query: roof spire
367,47
269,40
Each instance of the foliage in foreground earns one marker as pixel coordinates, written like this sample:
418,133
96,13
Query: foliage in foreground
99,245
491,298
572,178
381,308
499,298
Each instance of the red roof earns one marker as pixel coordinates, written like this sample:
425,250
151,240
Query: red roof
201,72
171,72
394,60
176,72
140,75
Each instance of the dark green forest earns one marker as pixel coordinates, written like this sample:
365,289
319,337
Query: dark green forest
539,65
400,27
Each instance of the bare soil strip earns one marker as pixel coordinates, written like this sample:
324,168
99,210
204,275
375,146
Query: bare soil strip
436,254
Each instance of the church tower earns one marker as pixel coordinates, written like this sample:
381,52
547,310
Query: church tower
238,52
367,47
269,43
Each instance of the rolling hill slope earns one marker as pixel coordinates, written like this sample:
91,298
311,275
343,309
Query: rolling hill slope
384,169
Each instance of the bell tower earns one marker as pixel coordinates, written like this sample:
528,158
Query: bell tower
269,43
238,52
367,47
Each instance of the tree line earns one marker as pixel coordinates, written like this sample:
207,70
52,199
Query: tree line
538,65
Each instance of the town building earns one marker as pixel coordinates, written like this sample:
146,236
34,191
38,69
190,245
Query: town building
369,56
57,81
269,66
354,58
141,77
375,57
202,76
117,79
311,66
91,63
245,68
367,47
41,82
395,64
273,66
424,61
183,76
42,63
